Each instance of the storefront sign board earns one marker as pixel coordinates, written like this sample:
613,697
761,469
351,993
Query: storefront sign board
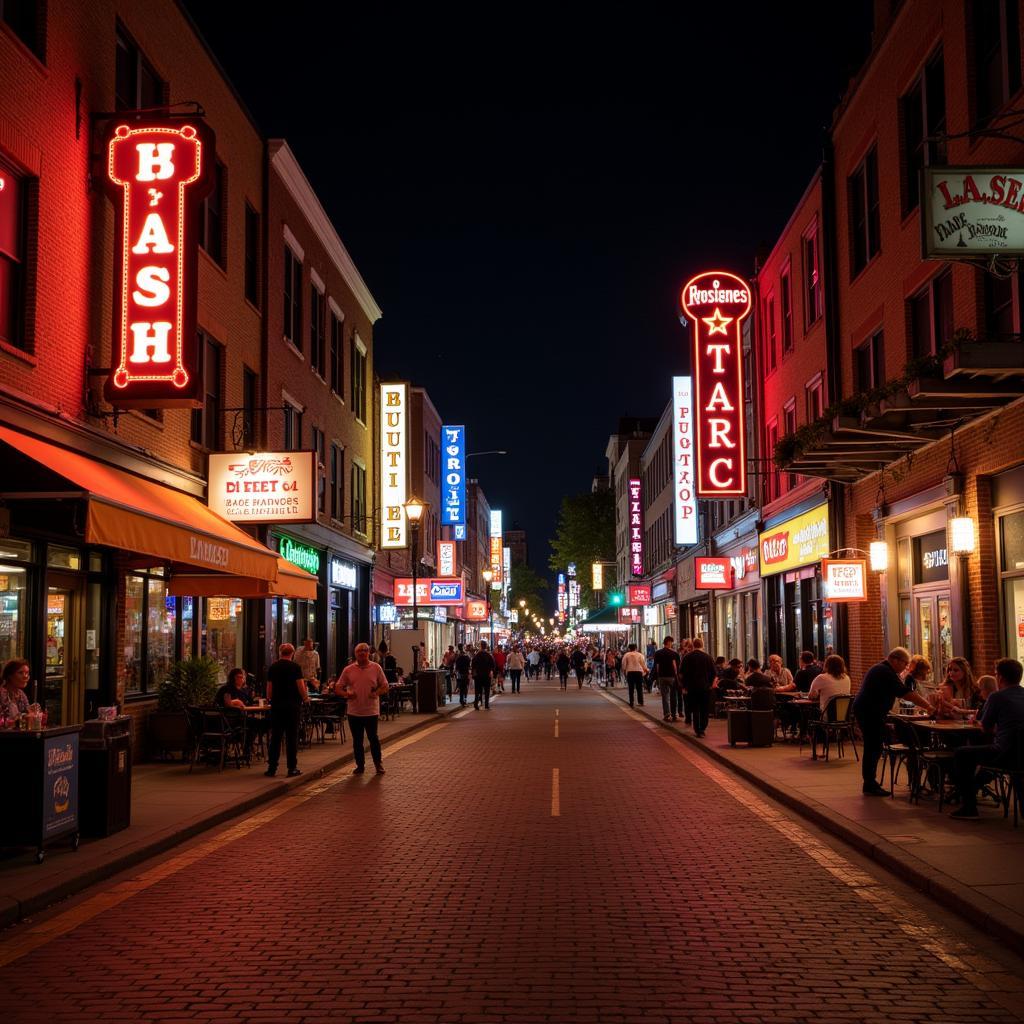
344,574
636,527
802,540
453,457
266,487
713,574
631,616
685,505
394,428
638,594
476,610
844,579
446,558
429,592
60,788
298,554
972,211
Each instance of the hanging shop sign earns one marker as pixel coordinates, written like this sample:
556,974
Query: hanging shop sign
972,211
446,558
385,614
476,610
157,174
267,487
298,554
683,463
429,592
931,558
651,615
712,574
597,576
506,567
453,506
497,562
671,611
631,616
574,594
344,574
716,304
394,428
638,593
744,565
636,527
461,532
802,540
844,579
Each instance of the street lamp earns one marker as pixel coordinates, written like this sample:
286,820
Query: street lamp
488,575
414,509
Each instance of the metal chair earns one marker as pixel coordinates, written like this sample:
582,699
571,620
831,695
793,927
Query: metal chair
1010,779
895,754
211,733
329,713
836,722
924,764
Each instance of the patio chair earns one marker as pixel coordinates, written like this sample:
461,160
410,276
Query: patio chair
329,715
211,733
895,755
836,723
924,764
1010,779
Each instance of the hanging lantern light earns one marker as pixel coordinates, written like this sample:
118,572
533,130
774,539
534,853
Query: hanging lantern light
961,535
879,553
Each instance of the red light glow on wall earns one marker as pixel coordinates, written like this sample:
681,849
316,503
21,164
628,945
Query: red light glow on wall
157,174
716,304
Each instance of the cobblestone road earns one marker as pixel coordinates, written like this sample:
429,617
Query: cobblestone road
553,859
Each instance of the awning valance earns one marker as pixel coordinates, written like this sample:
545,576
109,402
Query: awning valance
291,582
138,515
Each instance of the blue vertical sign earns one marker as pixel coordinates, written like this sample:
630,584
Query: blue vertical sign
453,455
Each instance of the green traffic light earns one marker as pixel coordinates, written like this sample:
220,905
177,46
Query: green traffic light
615,599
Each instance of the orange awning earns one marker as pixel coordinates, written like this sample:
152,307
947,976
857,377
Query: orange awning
291,582
138,515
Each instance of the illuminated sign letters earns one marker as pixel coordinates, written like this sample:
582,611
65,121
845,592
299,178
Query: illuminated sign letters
638,594
844,579
446,557
636,527
344,574
713,574
683,461
497,560
394,426
157,174
429,592
267,487
298,554
597,576
453,459
716,303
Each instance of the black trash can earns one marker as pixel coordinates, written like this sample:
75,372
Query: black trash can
106,776
429,690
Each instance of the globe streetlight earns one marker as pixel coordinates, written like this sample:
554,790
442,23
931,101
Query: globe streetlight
414,509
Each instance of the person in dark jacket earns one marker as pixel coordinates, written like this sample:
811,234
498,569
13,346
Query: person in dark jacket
697,675
579,665
462,666
562,664
286,690
482,667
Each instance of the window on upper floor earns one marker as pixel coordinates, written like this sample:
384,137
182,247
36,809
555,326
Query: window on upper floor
292,298
317,330
336,370
252,255
923,117
292,427
206,425
862,190
771,337
358,380
13,256
931,316
320,447
337,469
771,439
212,222
27,20
359,498
1002,307
789,427
136,85
250,400
786,298
995,34
814,398
811,277
869,363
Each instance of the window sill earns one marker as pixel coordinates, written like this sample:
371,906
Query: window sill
867,266
216,264
28,358
294,349
252,305
338,397
319,376
38,63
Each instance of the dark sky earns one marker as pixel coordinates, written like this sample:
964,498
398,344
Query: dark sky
525,192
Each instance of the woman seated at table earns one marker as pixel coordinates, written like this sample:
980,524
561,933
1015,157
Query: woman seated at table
234,693
13,702
958,693
919,673
830,683
781,677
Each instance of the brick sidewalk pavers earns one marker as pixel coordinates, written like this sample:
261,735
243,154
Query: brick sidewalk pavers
446,891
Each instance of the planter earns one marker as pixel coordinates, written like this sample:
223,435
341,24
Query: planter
168,733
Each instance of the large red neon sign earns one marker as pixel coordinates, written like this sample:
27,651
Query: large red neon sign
157,174
636,527
716,303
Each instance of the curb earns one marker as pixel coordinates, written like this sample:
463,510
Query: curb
961,899
14,911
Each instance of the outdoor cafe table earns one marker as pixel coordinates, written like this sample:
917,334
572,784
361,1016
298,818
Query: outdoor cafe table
938,731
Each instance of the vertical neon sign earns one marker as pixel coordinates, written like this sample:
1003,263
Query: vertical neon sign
454,457
683,462
156,175
716,303
393,447
636,527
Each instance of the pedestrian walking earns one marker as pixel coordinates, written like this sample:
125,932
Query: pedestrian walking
514,663
448,664
499,668
697,676
361,684
635,666
533,664
879,688
666,671
482,668
545,660
462,665
286,691
562,662
579,666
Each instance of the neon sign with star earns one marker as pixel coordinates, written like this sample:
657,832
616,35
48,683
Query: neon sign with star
157,174
716,303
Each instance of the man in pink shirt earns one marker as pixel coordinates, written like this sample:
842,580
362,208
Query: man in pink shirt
361,684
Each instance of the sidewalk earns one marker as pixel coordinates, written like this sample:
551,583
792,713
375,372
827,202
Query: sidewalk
975,869
169,806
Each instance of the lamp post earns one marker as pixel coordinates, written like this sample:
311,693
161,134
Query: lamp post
414,510
488,575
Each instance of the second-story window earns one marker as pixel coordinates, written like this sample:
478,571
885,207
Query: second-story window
136,85
862,189
250,399
317,306
359,380
319,446
1002,313
923,113
337,481
292,298
869,363
211,217
786,297
27,20
814,399
931,316
789,427
206,421
252,255
995,26
771,439
12,257
812,278
292,427
771,338
337,367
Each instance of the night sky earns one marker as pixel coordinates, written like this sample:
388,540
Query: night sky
525,192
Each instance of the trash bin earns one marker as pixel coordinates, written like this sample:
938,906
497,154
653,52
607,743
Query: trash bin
429,690
106,776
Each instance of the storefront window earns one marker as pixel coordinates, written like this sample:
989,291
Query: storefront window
728,620
186,604
1011,537
224,633
13,580
134,617
150,632
906,624
160,622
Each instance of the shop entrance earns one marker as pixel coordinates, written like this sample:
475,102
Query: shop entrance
63,692
934,633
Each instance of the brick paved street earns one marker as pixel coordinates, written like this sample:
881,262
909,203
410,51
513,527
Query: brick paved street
450,891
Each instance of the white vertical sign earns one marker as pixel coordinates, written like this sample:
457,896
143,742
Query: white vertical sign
394,413
682,460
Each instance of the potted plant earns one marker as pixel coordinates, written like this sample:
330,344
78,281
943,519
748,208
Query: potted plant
192,681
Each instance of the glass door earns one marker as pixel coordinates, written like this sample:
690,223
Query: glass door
934,631
62,694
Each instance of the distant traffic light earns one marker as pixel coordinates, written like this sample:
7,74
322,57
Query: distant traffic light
616,598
